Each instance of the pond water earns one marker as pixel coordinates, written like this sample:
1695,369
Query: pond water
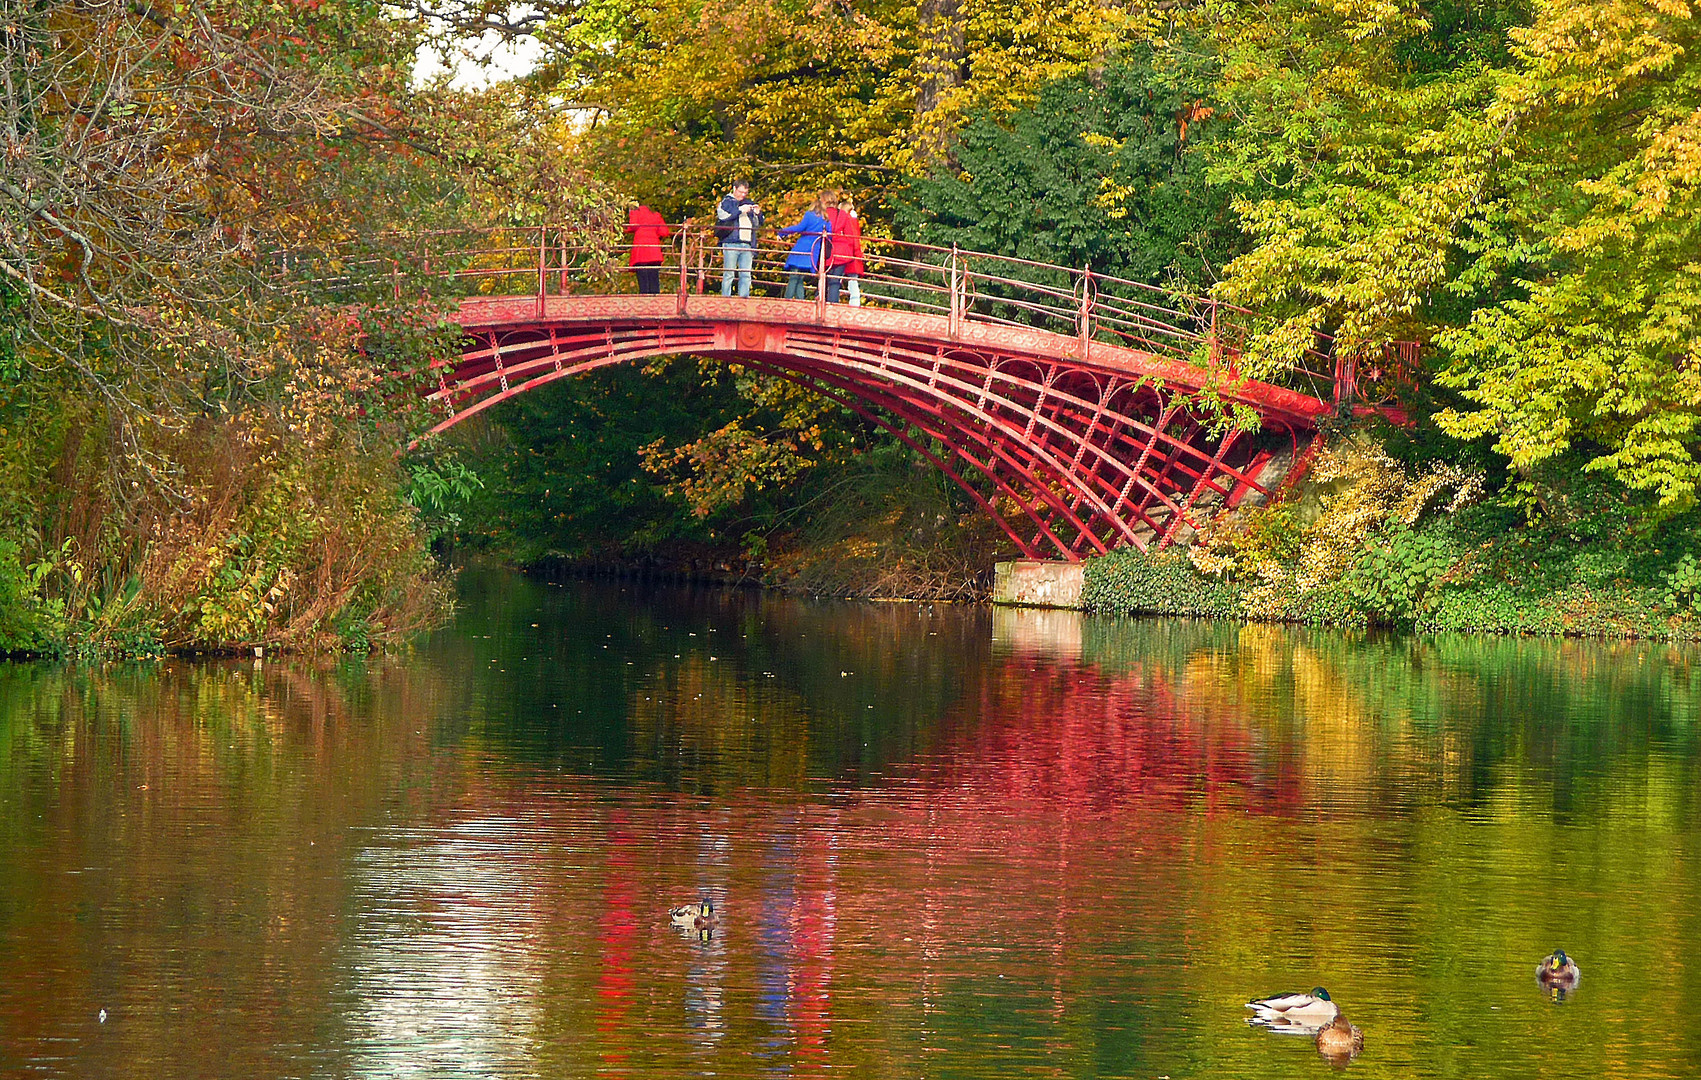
940,842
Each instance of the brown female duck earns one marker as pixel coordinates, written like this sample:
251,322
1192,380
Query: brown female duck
1339,1038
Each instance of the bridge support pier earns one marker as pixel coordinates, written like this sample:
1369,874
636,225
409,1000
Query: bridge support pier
1037,583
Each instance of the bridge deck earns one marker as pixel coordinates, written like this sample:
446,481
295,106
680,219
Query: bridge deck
692,315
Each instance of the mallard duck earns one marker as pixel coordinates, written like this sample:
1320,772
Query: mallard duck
1559,971
1301,1013
698,916
1339,1038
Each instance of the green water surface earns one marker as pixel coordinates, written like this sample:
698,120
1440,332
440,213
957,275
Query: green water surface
940,841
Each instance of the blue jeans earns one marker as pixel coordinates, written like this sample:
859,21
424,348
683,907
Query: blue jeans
740,258
794,286
840,284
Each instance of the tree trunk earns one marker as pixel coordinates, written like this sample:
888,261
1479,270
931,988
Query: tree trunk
939,71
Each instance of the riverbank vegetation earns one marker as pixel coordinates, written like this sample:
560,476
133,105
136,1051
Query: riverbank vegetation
212,336
209,354
1374,540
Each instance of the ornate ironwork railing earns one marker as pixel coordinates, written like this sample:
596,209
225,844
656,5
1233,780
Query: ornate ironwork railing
963,287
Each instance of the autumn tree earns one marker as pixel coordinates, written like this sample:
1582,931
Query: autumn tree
676,98
1599,341
1515,182
1106,172
178,185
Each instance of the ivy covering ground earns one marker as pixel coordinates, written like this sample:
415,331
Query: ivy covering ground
1370,542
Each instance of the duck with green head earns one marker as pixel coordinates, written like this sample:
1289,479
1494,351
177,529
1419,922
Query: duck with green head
1300,1014
698,916
1558,971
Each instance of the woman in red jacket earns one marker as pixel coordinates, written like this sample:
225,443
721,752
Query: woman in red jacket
844,268
648,230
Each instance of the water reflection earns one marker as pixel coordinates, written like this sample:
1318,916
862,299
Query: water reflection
443,968
940,842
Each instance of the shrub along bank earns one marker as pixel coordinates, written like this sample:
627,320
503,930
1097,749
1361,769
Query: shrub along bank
261,540
1369,540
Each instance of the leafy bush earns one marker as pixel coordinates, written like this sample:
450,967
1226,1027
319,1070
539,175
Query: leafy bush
1398,579
1683,585
1372,540
260,538
1283,599
1129,581
20,615
439,490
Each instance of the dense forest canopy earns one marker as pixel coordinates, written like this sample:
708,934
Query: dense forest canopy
1514,184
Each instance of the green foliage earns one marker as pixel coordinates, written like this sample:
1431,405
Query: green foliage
1361,150
45,610
249,572
1129,581
1683,585
439,490
1596,344
25,621
1398,579
565,475
353,632
1238,545
1494,608
1101,171
13,304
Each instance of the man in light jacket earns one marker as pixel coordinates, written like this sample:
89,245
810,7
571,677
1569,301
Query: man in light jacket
736,220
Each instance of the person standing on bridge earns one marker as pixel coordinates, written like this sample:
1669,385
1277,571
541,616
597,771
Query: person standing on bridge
737,219
844,266
647,229
807,253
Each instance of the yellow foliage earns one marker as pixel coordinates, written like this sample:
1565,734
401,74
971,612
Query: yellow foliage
1354,490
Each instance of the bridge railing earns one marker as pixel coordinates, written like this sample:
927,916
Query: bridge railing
961,286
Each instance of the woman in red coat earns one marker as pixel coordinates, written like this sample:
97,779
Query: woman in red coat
648,230
844,267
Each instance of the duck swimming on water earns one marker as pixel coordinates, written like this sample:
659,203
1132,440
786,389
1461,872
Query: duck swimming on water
1300,1014
1558,971
1339,1038
698,916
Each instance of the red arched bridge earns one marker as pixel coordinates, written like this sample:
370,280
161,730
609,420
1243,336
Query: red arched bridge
1081,412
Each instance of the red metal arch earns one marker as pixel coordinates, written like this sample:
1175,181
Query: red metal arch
1094,445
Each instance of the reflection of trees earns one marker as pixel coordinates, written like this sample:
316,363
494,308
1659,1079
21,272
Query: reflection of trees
709,690
1400,720
193,820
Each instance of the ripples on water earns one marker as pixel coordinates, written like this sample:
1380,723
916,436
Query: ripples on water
943,842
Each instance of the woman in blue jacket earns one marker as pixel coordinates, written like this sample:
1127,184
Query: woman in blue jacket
810,249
